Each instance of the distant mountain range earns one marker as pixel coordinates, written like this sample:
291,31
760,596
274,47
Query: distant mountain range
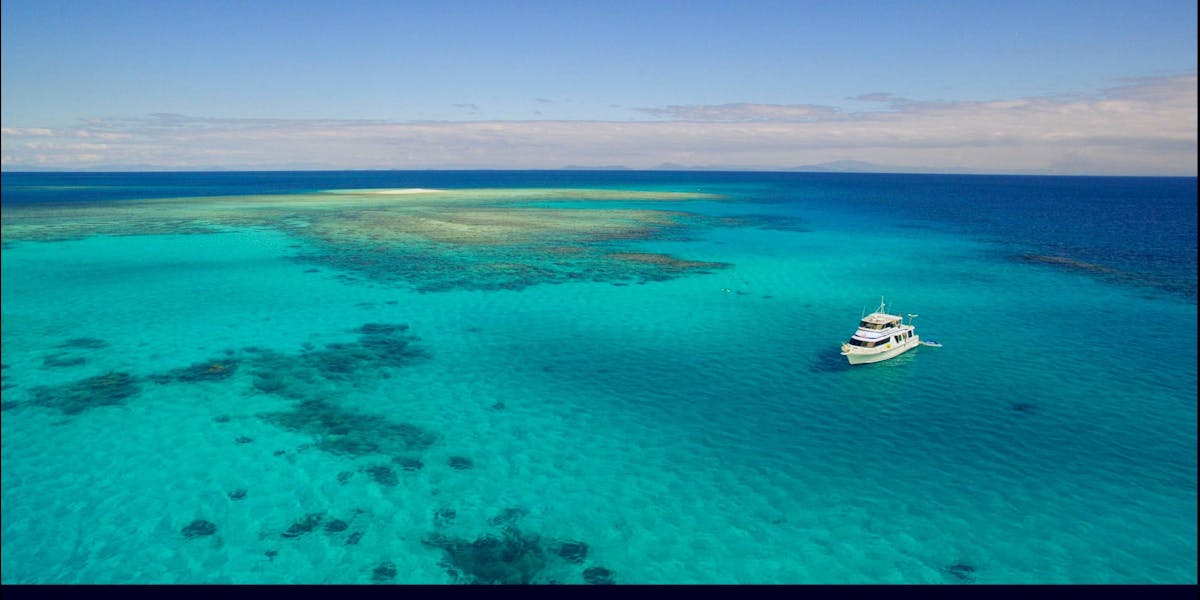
600,168
836,166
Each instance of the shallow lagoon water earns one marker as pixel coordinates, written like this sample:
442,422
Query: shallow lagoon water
250,410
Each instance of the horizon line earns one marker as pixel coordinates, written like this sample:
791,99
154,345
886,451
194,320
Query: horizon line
613,169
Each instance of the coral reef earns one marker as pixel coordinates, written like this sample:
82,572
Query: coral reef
84,343
304,525
598,576
431,241
342,431
386,571
62,359
443,517
383,475
199,528
209,370
110,389
511,558
962,572
574,552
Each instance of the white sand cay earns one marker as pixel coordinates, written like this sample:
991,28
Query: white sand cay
387,191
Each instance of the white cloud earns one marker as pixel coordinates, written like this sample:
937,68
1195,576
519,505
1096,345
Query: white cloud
1145,126
26,131
743,111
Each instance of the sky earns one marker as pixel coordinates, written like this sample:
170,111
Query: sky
1051,86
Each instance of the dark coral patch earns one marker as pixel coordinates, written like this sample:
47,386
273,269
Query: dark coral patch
574,552
342,431
383,475
661,267
382,328
237,494
336,526
386,571
221,419
598,576
344,476
62,359
378,347
962,572
512,558
305,525
460,463
354,538
444,516
508,516
498,406
1062,261
84,343
199,528
244,440
209,370
768,221
348,444
110,389
408,464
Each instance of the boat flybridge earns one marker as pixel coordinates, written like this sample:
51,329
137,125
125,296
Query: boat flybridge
880,336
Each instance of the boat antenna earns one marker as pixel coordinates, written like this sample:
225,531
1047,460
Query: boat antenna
911,317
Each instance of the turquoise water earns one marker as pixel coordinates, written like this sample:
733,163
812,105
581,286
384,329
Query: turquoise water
239,407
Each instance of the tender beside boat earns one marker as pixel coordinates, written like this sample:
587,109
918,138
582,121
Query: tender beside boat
880,336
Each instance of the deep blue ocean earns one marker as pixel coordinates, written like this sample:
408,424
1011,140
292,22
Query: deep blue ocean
595,377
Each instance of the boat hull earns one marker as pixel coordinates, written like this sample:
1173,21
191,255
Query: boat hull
859,357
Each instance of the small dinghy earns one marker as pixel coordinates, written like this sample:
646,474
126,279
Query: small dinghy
933,343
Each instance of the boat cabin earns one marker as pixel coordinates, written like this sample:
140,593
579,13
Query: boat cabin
879,321
879,329
899,338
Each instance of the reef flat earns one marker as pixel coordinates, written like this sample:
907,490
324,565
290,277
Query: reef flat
431,239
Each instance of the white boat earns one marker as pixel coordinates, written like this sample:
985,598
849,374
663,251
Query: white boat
880,336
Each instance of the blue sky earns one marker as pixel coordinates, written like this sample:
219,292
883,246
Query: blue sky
1051,86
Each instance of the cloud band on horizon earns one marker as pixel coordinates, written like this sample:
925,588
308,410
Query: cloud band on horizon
1143,127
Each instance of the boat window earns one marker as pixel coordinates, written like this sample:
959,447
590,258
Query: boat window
866,325
870,344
